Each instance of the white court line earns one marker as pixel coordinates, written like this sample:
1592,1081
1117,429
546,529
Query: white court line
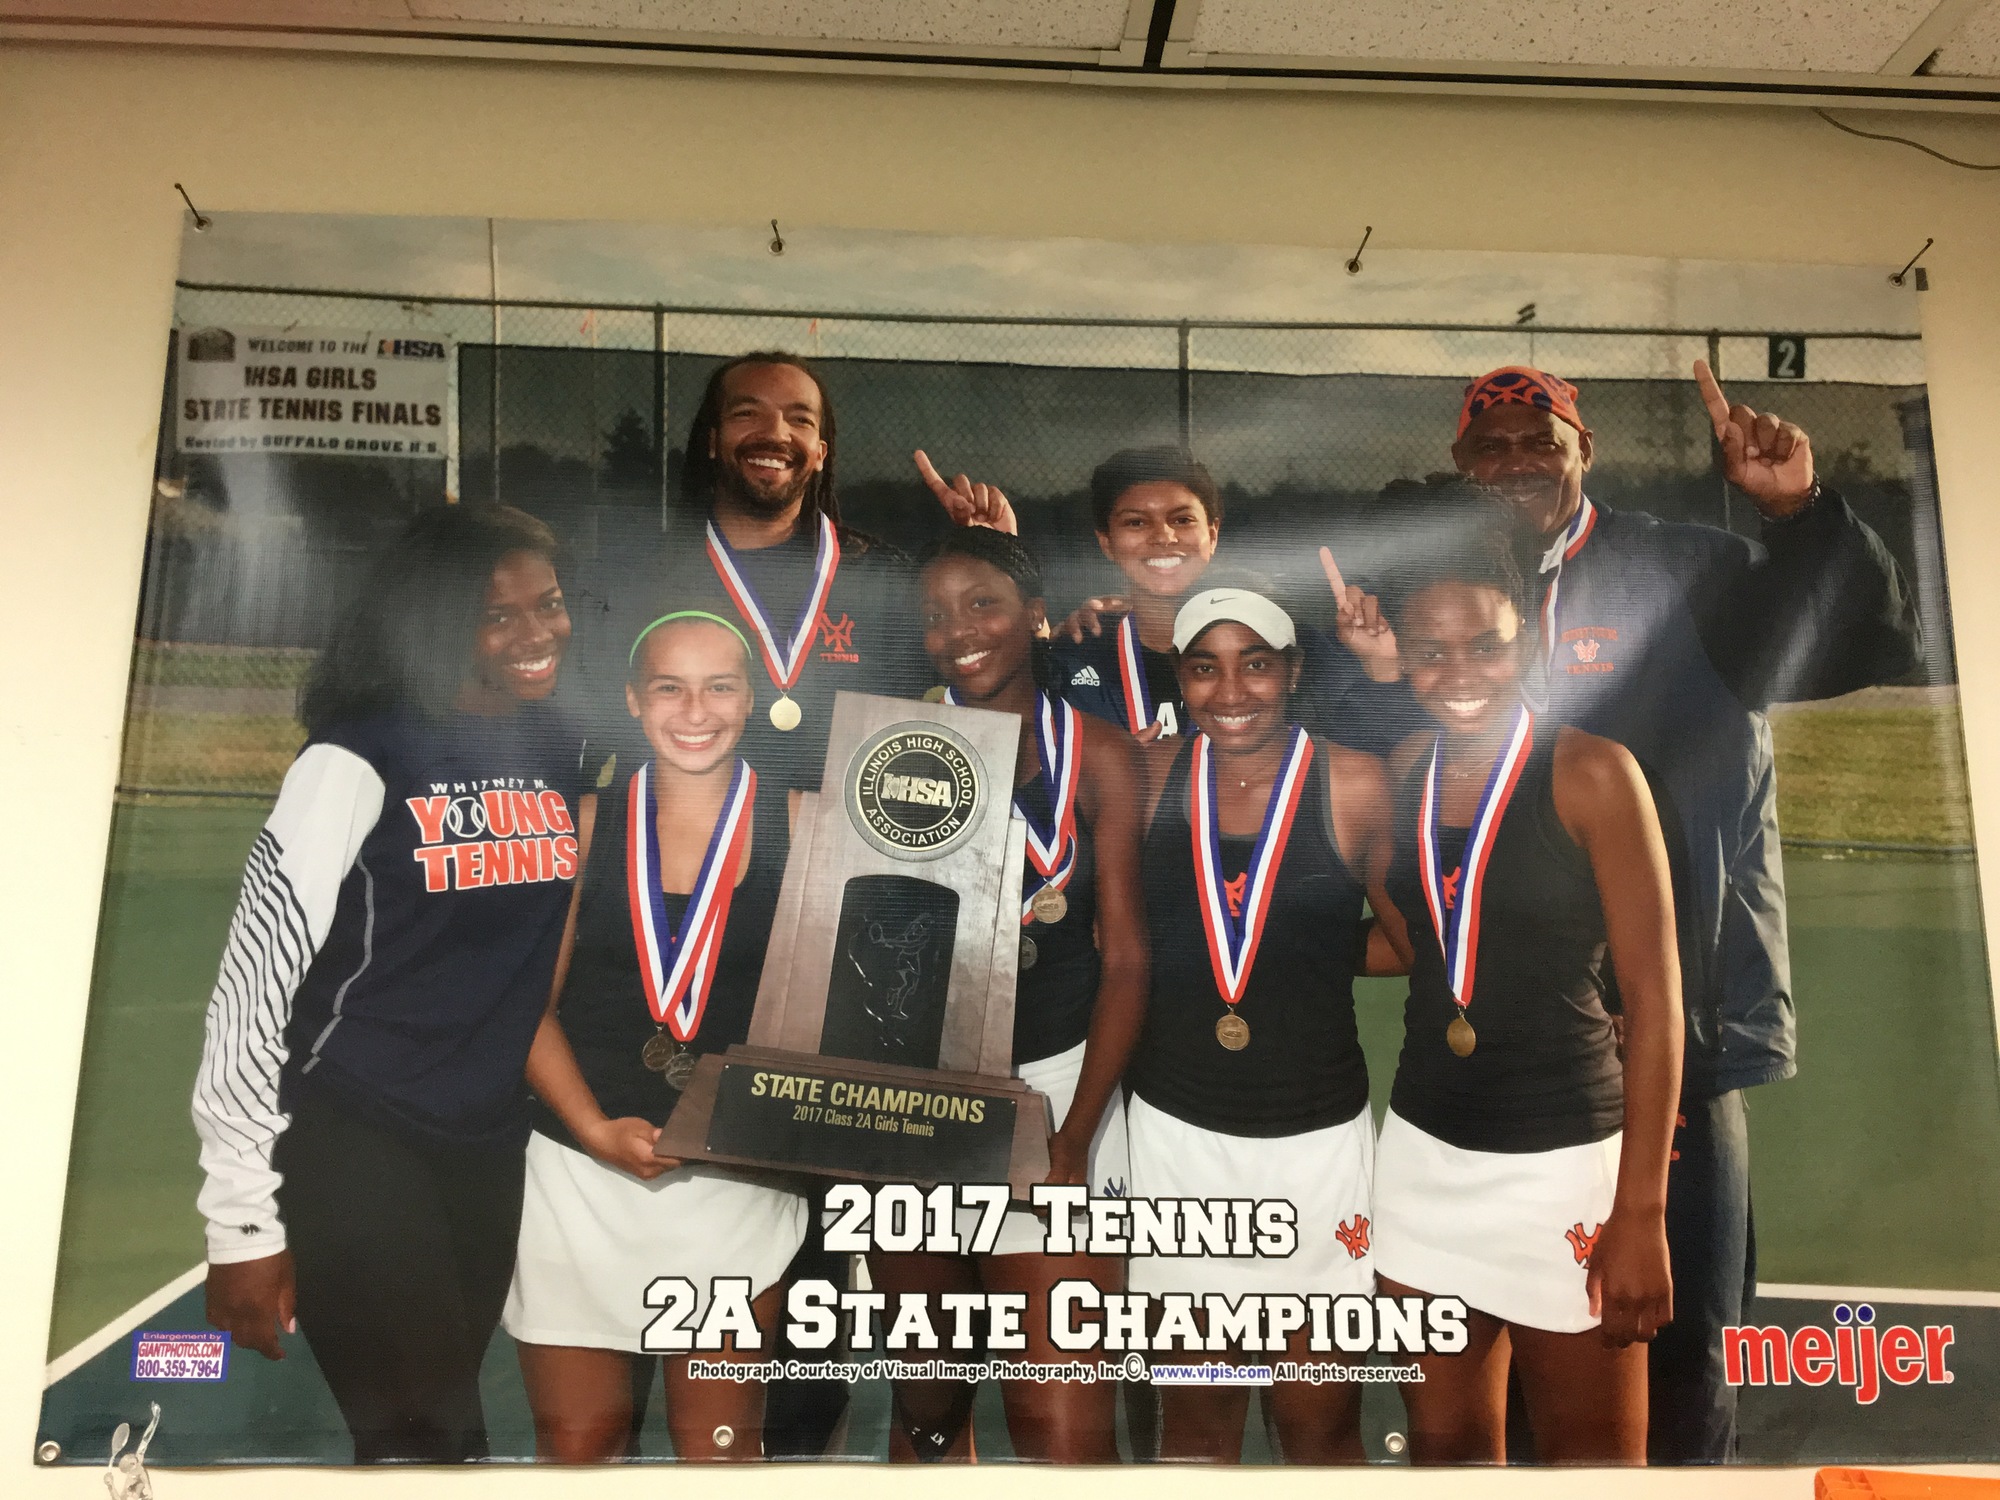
124,1323
1923,1297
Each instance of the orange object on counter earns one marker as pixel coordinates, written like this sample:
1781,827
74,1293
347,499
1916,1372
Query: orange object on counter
1880,1484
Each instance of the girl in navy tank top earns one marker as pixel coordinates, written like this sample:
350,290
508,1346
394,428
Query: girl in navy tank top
683,855
1078,1003
1249,1081
1523,1163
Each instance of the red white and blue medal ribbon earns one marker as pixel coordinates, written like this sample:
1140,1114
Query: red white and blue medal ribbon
1232,941
1139,707
1051,849
676,961
1561,551
1457,924
783,663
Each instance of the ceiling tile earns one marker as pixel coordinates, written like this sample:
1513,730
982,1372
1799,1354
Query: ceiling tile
1974,50
1839,36
951,23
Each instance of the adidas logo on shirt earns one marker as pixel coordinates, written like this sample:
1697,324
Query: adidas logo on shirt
1086,677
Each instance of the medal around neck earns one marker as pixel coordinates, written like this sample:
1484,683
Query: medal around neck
1233,938
1052,846
880,1048
1456,922
677,959
783,663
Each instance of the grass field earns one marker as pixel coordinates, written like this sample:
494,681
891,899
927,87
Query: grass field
1884,775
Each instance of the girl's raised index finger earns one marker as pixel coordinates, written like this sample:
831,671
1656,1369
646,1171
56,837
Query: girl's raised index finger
1332,571
1711,395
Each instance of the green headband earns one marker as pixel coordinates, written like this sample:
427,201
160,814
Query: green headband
638,640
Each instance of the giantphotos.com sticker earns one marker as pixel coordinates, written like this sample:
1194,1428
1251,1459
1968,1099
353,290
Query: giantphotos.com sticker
180,1356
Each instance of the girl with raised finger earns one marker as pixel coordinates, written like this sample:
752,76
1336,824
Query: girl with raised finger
1523,1162
1249,1081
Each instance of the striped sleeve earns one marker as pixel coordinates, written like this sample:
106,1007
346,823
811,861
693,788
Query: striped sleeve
330,800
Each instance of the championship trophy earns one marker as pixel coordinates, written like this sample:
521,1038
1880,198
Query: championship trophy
881,1046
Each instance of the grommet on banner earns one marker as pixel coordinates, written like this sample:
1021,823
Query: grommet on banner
725,1437
1900,276
201,220
1354,260
777,240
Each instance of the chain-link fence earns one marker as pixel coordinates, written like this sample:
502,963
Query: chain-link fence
580,414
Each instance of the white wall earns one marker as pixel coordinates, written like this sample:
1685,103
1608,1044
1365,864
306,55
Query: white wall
92,139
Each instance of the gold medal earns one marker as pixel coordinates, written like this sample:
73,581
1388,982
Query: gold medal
1233,1032
1028,953
1460,1037
785,715
1049,905
659,1052
937,695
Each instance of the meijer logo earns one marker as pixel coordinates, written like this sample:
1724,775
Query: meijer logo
1853,1352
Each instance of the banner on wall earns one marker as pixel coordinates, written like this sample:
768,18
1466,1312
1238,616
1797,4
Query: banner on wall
1473,749
311,390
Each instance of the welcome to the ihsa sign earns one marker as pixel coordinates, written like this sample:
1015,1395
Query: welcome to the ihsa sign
1853,1353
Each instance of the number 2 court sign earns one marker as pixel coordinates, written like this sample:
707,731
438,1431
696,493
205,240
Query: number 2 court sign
312,390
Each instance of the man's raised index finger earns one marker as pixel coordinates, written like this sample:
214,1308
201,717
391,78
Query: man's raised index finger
930,474
1711,395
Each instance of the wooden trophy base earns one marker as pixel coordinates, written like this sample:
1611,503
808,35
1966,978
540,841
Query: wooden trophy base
859,1121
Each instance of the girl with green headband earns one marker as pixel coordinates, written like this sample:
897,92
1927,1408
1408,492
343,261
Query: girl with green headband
683,856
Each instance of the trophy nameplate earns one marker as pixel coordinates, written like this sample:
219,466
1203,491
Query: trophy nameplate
881,1044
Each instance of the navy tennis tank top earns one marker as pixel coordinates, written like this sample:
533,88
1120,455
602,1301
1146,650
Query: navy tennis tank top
1303,1069
604,1011
1053,1000
1545,1071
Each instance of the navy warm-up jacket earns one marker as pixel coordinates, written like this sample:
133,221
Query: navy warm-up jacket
1673,639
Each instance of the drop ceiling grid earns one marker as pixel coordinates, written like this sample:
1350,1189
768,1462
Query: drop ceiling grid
1795,36
1974,50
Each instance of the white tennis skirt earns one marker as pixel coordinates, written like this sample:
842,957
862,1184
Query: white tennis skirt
593,1238
1510,1232
1324,1174
1110,1157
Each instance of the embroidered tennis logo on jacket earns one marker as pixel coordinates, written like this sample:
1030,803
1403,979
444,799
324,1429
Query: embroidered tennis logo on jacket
836,638
1581,1245
1590,649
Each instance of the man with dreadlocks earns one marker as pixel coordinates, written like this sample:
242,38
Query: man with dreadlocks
758,536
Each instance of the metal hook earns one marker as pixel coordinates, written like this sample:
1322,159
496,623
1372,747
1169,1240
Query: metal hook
201,220
1898,278
1354,262
777,240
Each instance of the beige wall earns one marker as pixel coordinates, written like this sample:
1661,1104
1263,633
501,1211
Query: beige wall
91,141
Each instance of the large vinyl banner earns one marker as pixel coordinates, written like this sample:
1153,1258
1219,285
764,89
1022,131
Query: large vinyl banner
944,850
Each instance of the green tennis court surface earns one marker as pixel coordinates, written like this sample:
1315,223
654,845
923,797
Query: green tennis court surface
1879,1166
